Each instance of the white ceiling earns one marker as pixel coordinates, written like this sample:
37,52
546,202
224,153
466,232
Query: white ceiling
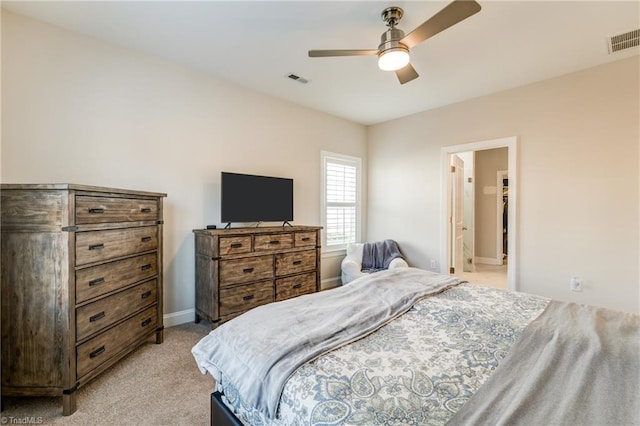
256,44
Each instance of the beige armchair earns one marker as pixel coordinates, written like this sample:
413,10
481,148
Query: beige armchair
352,263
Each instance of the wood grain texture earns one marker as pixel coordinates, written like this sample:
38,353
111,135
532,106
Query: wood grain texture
114,210
108,277
294,286
34,310
205,277
235,245
306,239
64,281
31,211
98,315
246,269
273,241
99,246
99,349
245,297
295,262
224,277
88,189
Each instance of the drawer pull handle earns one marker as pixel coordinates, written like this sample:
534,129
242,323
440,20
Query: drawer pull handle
145,210
96,210
274,242
297,285
96,281
297,262
247,270
146,267
145,294
145,239
249,297
97,352
96,246
96,317
145,322
236,245
306,238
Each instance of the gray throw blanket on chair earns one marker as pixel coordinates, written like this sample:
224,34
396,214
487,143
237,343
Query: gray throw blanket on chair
377,256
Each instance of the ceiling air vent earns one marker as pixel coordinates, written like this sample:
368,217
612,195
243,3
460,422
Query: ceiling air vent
297,78
623,41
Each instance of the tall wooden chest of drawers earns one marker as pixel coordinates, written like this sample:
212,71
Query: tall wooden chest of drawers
240,269
81,283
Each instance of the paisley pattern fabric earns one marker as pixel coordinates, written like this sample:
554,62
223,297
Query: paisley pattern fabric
417,370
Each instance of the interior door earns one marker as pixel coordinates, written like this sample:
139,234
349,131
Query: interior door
457,213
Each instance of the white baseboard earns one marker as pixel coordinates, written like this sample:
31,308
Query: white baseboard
487,260
181,317
328,283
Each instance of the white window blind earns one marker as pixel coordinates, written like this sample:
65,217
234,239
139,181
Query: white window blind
341,201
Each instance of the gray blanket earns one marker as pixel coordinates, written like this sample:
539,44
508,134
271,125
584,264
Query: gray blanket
573,365
259,350
377,256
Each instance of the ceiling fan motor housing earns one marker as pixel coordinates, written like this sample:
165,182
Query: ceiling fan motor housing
390,39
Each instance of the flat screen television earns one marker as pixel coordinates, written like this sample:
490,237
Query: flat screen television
251,198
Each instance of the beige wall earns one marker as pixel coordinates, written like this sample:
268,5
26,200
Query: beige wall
77,110
487,164
578,142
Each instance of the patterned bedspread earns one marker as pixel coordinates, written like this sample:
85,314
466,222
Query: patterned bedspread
417,370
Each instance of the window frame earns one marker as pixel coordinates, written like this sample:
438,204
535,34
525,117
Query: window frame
326,157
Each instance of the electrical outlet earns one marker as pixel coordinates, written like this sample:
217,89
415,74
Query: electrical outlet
575,284
433,264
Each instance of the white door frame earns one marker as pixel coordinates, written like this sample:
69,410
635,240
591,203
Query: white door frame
501,174
511,143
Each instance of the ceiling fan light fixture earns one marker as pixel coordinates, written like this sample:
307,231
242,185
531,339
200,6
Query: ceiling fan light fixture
393,59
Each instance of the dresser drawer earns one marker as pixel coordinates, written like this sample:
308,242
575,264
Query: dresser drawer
245,297
234,245
273,242
293,263
107,210
101,348
305,239
95,316
98,246
297,285
246,269
98,280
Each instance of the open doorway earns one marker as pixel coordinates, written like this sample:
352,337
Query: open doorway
479,212
502,217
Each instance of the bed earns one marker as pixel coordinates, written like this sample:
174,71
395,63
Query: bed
416,348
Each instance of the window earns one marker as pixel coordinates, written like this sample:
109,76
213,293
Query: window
341,200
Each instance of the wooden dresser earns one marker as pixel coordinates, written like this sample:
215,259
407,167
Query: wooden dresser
239,269
81,283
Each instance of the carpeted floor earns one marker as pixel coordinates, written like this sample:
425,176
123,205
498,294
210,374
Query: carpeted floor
155,385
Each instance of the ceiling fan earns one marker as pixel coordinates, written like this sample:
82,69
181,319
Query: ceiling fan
393,51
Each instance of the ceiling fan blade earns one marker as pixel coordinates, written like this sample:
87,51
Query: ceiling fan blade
406,74
453,13
345,52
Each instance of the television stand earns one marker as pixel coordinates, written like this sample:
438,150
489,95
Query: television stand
241,268
228,225
286,222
